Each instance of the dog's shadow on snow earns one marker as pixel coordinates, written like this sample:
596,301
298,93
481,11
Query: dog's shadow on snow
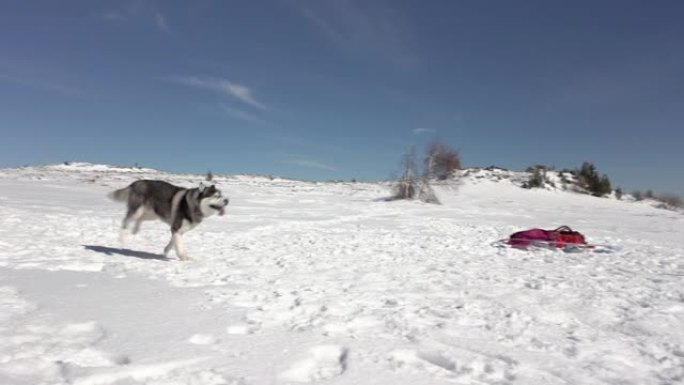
125,252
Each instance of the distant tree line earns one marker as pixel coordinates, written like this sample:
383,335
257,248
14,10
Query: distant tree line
587,177
669,201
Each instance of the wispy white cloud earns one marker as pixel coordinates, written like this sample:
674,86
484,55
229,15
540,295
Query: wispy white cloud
323,25
162,24
127,12
136,10
368,29
49,85
311,164
241,115
238,91
420,130
112,15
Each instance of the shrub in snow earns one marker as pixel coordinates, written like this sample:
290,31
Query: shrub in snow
427,194
670,201
405,188
536,180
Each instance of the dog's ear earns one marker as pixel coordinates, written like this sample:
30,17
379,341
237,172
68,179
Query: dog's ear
202,187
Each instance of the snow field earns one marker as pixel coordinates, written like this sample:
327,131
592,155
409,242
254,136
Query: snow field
325,283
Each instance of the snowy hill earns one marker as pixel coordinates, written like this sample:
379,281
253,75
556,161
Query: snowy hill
553,180
305,282
558,181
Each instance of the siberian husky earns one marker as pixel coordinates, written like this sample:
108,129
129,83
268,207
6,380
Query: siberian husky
181,208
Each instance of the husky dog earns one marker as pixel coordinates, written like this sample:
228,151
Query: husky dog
181,208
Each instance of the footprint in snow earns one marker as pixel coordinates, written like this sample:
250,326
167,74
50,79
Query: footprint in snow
242,328
469,367
202,339
323,362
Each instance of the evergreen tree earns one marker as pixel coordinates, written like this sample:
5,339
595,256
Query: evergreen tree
588,179
536,179
603,186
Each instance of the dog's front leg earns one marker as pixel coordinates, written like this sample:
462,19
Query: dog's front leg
177,243
180,249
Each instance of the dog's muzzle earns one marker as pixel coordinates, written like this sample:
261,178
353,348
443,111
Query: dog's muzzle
220,208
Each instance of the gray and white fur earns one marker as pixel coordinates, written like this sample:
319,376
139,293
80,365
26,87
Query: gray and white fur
181,208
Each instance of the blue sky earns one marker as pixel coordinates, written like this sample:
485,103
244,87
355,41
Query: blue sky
340,89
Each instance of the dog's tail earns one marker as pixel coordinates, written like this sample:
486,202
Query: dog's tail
120,195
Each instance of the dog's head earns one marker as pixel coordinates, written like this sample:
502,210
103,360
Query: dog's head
211,200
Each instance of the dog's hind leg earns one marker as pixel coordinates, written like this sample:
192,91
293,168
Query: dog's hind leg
144,213
123,233
133,214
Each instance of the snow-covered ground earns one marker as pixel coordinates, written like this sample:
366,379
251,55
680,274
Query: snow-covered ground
326,283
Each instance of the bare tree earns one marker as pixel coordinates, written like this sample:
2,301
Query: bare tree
441,160
425,191
406,186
